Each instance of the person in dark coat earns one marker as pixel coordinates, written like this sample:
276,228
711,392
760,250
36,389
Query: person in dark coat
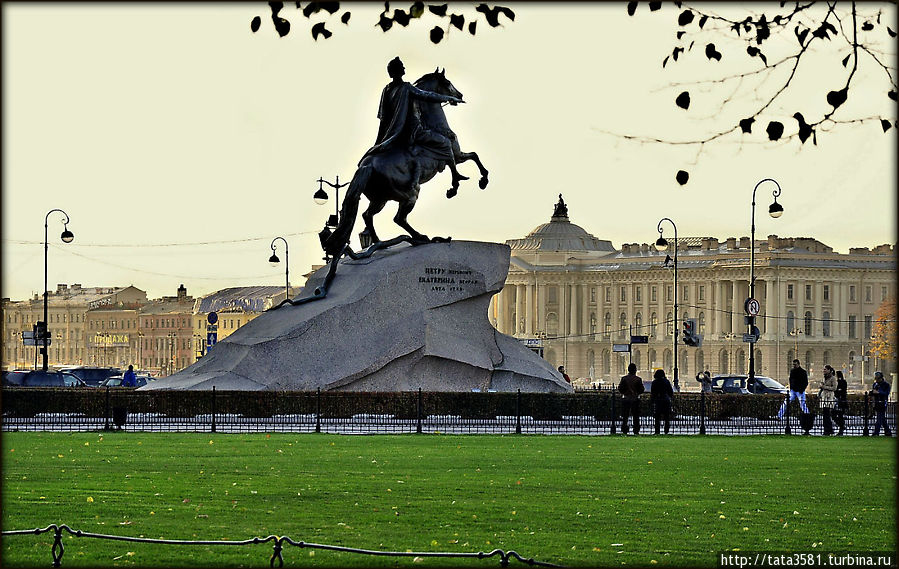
631,386
130,378
842,406
881,391
798,385
661,395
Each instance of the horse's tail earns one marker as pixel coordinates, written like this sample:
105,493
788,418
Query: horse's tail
335,243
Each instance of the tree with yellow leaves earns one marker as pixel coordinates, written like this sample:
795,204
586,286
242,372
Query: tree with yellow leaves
883,341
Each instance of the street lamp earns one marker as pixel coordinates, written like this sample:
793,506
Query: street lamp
67,237
321,198
662,245
775,210
274,260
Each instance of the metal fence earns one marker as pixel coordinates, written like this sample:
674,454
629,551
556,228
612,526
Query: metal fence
582,413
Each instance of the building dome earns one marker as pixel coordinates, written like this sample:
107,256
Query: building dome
560,235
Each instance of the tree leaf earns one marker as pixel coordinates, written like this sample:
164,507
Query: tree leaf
319,29
681,34
763,58
330,7
846,60
631,8
439,9
665,61
885,125
457,20
311,8
385,23
683,100
685,18
837,98
801,35
345,18
401,18
282,25
805,130
762,31
472,27
892,95
775,130
254,25
702,21
676,52
746,125
417,9
891,32
867,26
653,6
436,34
712,53
682,177
507,12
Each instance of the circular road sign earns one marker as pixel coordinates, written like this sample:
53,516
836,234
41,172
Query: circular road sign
212,318
752,307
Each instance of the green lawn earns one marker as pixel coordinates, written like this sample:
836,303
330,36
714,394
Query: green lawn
570,500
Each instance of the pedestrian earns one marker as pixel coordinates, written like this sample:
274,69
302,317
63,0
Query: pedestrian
661,395
130,378
565,375
631,386
881,394
842,403
798,384
705,378
827,398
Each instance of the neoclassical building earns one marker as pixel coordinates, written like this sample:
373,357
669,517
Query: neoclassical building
578,296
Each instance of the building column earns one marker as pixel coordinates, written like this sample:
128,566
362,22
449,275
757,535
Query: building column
540,319
501,302
574,306
531,310
736,312
771,308
520,308
818,327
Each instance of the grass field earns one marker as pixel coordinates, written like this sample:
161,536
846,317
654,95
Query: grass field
569,500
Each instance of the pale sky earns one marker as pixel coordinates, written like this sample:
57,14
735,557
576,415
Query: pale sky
180,143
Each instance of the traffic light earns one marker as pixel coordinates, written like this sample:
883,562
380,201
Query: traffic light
691,338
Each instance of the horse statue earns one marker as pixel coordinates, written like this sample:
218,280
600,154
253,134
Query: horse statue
396,173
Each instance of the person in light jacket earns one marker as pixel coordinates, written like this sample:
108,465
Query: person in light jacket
827,398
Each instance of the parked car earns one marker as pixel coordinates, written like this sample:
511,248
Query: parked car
40,378
91,375
116,380
739,384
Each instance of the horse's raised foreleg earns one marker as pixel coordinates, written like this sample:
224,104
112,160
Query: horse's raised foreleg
466,156
402,212
374,207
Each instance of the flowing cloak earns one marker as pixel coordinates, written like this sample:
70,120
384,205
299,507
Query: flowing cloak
399,118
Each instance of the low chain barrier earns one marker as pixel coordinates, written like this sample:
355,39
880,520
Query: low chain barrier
58,549
591,412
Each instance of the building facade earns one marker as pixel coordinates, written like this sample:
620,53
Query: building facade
577,297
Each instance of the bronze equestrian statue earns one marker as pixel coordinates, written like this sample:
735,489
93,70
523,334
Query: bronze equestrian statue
414,143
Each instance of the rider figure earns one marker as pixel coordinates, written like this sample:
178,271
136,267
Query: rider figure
401,125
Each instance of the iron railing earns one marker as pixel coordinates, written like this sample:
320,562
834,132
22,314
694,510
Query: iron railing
592,412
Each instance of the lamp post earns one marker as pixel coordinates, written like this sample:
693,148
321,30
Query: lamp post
662,245
320,197
274,260
775,210
67,237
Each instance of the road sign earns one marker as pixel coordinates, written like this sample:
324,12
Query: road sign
621,347
751,338
639,339
859,358
27,335
752,306
36,342
211,338
212,318
532,342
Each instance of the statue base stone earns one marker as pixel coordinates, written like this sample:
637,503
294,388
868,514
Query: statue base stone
404,319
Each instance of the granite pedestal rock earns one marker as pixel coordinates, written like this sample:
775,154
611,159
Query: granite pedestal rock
403,319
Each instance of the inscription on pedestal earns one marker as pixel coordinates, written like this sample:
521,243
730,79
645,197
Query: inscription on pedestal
448,280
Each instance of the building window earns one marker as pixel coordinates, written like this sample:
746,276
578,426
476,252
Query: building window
622,323
654,294
638,294
552,294
883,293
852,297
826,293
868,322
686,293
653,322
701,323
808,323
808,292
623,294
791,321
669,293
670,323
825,325
868,294
701,292
638,324
608,294
593,295
593,323
789,292
853,332
607,324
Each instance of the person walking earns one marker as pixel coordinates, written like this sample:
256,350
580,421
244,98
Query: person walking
705,378
798,385
827,398
564,375
631,386
661,395
842,404
129,379
881,394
